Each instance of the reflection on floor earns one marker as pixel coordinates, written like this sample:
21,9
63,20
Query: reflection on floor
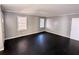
43,43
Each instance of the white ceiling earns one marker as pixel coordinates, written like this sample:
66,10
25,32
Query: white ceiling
47,10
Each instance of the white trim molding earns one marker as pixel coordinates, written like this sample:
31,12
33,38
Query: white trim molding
21,35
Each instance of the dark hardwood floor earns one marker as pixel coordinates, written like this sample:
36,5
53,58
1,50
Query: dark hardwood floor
43,43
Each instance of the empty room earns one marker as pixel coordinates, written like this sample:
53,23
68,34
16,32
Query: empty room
39,29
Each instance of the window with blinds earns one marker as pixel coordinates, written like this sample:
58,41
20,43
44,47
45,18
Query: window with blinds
21,23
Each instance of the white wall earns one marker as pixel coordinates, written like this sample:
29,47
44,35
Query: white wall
59,25
1,32
11,25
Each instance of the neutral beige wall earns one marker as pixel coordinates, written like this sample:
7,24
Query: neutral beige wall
1,32
11,25
59,25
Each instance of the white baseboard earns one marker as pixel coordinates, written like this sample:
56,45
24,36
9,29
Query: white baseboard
21,35
1,49
58,34
33,33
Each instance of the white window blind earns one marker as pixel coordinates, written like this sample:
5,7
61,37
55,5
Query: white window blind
22,23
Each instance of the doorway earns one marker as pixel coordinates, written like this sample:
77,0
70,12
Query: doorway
1,32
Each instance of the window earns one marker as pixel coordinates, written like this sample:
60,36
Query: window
75,29
22,23
42,22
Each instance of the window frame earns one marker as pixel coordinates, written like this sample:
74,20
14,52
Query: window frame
25,24
44,22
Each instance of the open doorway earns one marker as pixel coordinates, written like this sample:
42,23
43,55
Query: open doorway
1,31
